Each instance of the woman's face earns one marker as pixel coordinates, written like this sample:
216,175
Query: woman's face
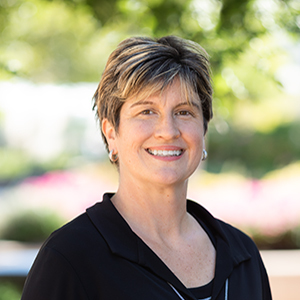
159,140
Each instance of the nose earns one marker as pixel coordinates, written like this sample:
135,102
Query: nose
167,128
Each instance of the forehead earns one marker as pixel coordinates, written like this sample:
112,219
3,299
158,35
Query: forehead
187,93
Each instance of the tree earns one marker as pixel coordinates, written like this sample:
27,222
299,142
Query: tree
69,41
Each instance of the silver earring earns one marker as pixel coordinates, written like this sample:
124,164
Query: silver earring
112,157
204,155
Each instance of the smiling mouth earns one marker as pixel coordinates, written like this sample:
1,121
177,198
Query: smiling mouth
165,153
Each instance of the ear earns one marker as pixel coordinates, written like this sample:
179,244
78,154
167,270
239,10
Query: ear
109,133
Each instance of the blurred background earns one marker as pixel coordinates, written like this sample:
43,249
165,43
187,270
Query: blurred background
52,160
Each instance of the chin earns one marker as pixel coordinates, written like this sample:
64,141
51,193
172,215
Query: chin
169,179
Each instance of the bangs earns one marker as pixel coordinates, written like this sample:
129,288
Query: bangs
157,88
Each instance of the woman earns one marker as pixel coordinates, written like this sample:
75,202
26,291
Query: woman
147,241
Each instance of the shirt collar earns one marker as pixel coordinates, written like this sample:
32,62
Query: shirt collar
123,242
230,249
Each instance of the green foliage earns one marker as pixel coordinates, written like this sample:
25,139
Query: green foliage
9,291
13,164
295,234
30,226
16,164
289,239
47,41
253,153
70,40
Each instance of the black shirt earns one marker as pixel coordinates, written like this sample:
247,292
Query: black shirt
98,256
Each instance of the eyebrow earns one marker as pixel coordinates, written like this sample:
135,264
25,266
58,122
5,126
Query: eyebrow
141,102
146,102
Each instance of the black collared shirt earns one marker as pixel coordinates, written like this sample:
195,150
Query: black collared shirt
98,257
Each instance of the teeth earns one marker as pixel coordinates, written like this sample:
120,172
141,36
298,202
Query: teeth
165,152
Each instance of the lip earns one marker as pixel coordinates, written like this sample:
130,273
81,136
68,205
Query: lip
165,148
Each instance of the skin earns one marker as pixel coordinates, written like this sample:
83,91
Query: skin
152,188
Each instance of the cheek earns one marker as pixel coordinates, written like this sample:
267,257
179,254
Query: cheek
195,134
138,132
132,136
198,146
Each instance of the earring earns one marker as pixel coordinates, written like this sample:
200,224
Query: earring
112,157
204,155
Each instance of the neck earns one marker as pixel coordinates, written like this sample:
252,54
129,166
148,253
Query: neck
157,212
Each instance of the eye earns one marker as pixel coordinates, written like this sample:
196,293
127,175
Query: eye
147,112
184,113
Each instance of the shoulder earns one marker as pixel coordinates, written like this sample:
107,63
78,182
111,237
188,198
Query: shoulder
233,236
77,236
236,236
56,271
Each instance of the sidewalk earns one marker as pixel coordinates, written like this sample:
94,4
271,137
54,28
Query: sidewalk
16,258
283,268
